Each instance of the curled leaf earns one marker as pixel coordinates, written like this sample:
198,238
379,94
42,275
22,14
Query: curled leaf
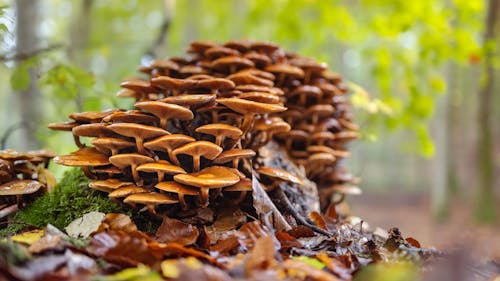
176,231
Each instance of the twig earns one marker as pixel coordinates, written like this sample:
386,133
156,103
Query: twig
9,210
298,217
26,55
11,129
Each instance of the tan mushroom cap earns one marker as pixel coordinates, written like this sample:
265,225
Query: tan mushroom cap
240,45
262,46
208,178
179,189
113,145
256,88
20,187
164,64
133,160
63,126
108,185
257,73
260,97
243,186
346,189
200,46
165,111
248,78
192,69
161,168
126,191
260,60
346,136
189,100
138,131
217,52
173,83
150,199
215,84
197,149
10,154
306,91
87,156
348,125
234,155
280,174
91,116
231,63
319,111
322,158
220,132
168,143
322,137
286,69
131,116
93,130
137,85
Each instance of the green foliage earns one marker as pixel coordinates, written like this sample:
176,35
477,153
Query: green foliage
69,200
388,272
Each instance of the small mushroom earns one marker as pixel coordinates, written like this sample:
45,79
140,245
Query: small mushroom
126,191
278,176
91,116
190,100
306,92
243,187
67,126
284,70
217,52
248,78
249,109
20,188
161,168
234,155
179,189
108,185
165,111
231,63
208,178
138,132
260,97
131,116
168,143
112,145
320,138
319,111
85,158
131,160
198,149
220,132
150,199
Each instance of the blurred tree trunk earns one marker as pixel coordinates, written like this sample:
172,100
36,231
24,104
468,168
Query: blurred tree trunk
79,39
28,100
452,123
485,209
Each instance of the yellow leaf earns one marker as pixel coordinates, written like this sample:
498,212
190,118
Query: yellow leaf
29,237
169,269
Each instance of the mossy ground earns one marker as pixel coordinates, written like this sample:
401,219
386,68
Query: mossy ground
70,199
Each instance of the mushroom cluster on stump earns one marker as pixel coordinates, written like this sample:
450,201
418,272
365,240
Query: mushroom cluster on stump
24,174
204,117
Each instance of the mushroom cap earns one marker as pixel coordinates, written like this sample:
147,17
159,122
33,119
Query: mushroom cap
272,125
287,69
222,64
346,136
129,159
234,153
294,135
211,177
127,93
257,88
173,83
260,97
240,45
43,153
126,191
219,129
309,64
218,51
278,174
258,59
91,116
165,110
164,64
248,78
131,116
324,135
243,185
346,189
161,166
190,100
63,126
307,90
257,73
172,141
322,158
137,130
320,109
138,85
20,187
348,125
10,154
150,198
175,187
215,84
206,149
200,46
107,144
262,46
192,69
245,106
92,130
87,156
108,185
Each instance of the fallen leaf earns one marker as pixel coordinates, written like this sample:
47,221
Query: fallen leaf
28,237
48,242
172,230
318,220
261,257
228,219
191,269
287,241
139,273
311,261
300,269
414,242
86,225
117,221
301,231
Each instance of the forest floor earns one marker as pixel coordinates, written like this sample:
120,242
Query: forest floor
411,213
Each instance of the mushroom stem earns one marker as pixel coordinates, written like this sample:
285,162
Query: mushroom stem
241,197
161,175
196,163
135,175
218,140
151,209
140,146
236,161
87,173
173,157
204,196
247,123
182,202
78,142
163,123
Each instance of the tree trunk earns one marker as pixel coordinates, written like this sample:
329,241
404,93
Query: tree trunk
485,210
28,100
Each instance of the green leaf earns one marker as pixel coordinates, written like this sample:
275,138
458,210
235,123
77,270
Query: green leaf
311,261
20,78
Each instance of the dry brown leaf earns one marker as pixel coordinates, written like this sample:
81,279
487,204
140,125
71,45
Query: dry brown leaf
176,231
318,220
117,221
301,269
261,257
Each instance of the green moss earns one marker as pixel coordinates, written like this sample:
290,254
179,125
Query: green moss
69,200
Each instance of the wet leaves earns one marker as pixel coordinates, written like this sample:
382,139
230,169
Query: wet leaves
176,231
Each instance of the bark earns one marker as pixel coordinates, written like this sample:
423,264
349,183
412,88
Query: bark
485,210
28,100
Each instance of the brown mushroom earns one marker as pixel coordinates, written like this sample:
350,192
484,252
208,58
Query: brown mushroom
285,70
168,143
139,132
278,176
179,189
208,178
126,191
243,187
19,188
131,116
220,132
249,109
165,111
306,92
112,145
198,149
161,168
234,155
67,126
133,160
150,199
260,97
190,100
319,111
231,63
91,116
85,158
108,185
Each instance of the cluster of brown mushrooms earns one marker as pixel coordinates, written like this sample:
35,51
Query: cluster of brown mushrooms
23,174
198,123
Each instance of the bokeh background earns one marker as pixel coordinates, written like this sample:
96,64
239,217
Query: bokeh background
424,77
